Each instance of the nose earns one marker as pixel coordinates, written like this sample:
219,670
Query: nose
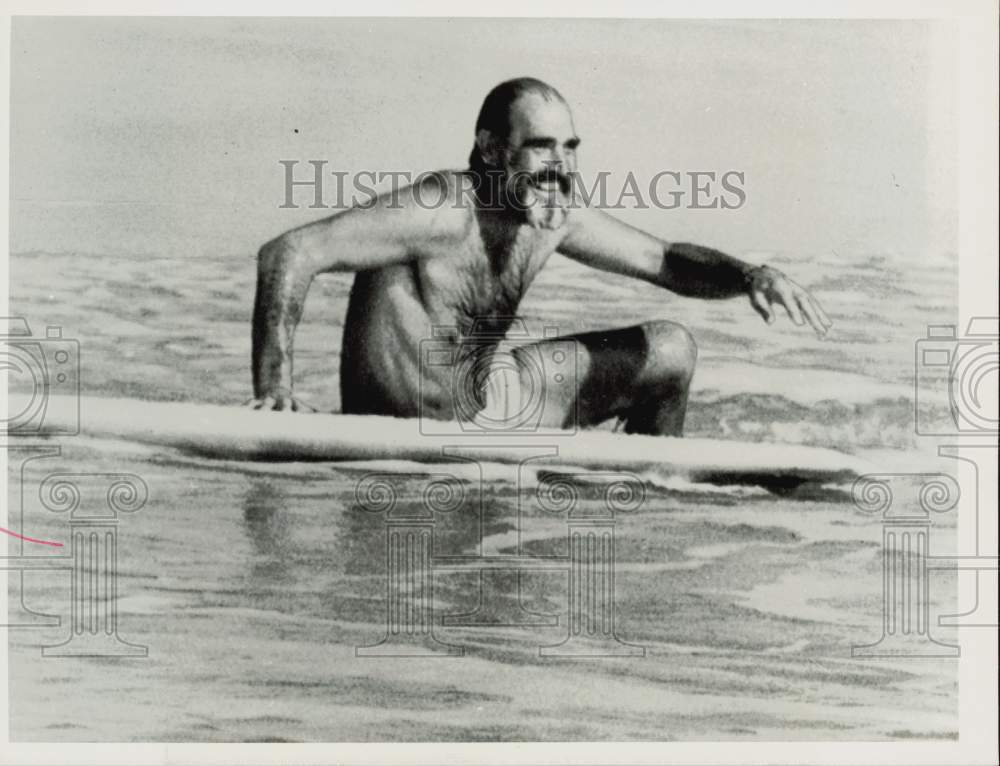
555,162
563,160
558,161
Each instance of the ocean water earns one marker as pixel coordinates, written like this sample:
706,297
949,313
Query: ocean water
253,584
176,328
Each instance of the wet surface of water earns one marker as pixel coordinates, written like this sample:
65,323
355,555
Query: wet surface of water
253,585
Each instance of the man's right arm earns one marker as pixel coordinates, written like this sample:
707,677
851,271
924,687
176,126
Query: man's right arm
392,230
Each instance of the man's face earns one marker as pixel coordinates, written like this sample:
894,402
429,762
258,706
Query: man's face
539,158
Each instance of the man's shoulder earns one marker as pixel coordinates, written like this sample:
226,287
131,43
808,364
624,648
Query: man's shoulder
434,187
440,199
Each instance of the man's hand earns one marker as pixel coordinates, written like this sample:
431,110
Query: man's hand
769,288
282,402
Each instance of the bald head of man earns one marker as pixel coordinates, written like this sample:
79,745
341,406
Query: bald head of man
526,144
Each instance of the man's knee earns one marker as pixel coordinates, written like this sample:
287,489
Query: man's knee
671,351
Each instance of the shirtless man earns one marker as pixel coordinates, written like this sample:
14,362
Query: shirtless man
469,261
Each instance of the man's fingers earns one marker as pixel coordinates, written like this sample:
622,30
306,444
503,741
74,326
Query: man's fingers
773,288
828,323
820,314
788,301
761,305
279,403
810,313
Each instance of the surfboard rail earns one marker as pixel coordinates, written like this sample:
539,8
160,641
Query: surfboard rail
236,433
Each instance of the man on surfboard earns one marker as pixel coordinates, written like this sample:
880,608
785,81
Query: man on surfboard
466,263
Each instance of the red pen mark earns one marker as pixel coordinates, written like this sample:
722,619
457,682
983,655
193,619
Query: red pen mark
30,539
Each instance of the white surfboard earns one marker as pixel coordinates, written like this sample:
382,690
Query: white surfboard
236,433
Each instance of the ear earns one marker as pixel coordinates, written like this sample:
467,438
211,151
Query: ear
489,148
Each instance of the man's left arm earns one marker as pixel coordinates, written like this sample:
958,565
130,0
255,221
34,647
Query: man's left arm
599,240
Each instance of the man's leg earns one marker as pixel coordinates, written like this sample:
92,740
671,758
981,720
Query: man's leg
641,374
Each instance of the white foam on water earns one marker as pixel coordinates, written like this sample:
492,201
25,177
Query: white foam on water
526,475
727,377
682,485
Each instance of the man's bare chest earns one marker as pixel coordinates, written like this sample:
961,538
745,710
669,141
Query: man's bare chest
489,278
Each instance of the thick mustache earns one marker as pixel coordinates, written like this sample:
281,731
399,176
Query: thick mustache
547,176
